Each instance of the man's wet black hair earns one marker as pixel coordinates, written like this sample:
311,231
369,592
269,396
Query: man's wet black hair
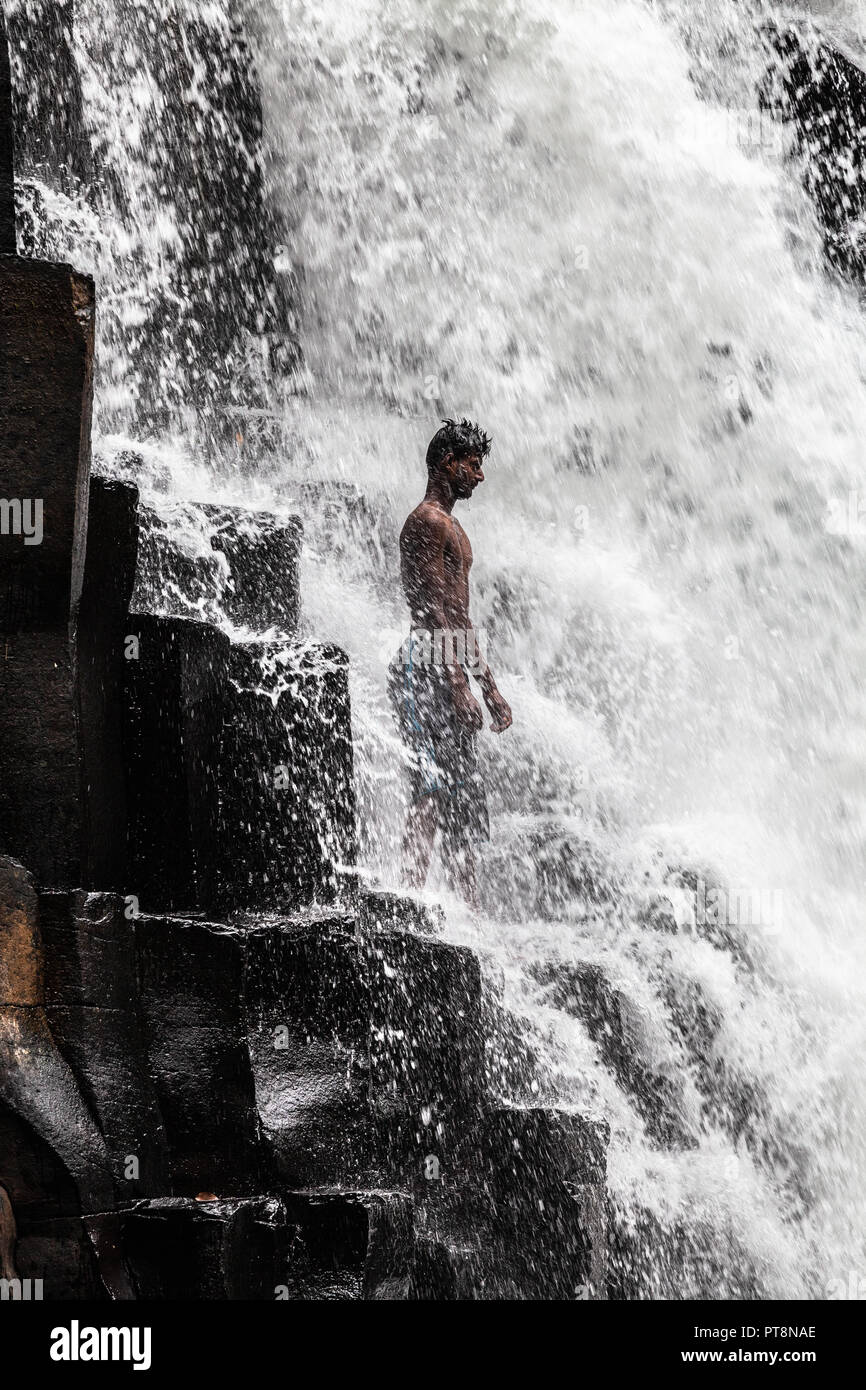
458,437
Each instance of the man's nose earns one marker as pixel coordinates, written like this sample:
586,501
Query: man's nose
479,476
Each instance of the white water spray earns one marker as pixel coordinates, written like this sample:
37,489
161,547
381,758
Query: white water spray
524,212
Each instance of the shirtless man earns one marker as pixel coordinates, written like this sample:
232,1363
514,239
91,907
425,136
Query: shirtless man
438,714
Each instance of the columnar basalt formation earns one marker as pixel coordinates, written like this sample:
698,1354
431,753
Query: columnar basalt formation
50,137
102,645
56,1169
176,676
46,348
7,187
821,89
226,1070
246,569
287,802
237,1074
225,305
94,1009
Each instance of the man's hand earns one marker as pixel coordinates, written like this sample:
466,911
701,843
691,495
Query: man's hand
468,709
500,709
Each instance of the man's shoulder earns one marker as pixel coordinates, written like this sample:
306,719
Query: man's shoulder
427,519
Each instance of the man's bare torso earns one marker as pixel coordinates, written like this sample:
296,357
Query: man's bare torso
435,560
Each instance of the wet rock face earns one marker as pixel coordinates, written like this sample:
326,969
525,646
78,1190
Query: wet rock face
224,309
330,1053
219,315
240,788
245,568
53,1159
342,1246
94,1012
190,987
261,552
823,91
7,189
50,135
40,808
525,1219
176,676
623,1036
46,357
649,1257
544,1160
367,1050
287,823
46,341
102,629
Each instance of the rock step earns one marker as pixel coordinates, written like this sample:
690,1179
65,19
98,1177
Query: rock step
298,1245
819,85
314,1057
525,1219
239,774
248,568
624,1037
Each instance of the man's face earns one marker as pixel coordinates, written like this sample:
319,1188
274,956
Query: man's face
464,474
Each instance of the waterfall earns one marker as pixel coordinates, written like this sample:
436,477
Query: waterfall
570,221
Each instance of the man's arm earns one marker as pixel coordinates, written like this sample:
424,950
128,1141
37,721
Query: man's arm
495,702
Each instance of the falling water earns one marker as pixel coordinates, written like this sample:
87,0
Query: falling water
558,218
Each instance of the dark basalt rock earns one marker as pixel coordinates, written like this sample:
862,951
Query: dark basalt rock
367,1054
50,132
58,1250
239,777
103,626
511,1061
176,680
321,1049
46,334
91,999
822,90
526,1218
347,1245
263,590
46,356
380,910
7,172
53,1160
654,1259
287,801
553,1151
250,575
180,1248
191,996
40,794
617,1027
306,1246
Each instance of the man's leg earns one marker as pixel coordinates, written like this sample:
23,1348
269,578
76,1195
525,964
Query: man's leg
464,819
418,839
458,861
